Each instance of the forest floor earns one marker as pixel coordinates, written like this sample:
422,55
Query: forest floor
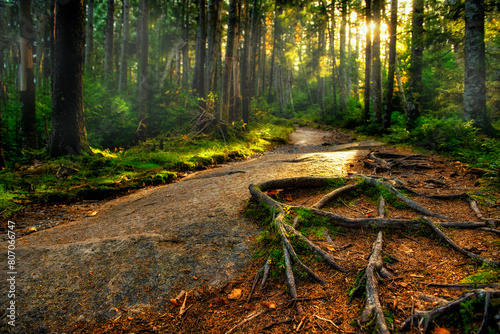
115,266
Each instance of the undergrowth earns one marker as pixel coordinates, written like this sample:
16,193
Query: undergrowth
105,173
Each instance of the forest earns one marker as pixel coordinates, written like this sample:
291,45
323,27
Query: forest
99,99
157,72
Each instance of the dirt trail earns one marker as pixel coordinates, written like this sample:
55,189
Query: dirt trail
139,249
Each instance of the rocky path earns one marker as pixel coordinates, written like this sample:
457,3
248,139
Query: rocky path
136,251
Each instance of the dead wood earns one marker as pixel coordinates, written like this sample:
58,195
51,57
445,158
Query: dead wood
247,319
463,286
432,299
265,275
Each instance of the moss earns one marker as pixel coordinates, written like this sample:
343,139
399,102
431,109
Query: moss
484,275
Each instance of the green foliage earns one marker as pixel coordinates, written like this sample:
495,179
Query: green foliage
484,275
109,172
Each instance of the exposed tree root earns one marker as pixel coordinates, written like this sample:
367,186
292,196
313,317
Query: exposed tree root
456,247
375,267
428,317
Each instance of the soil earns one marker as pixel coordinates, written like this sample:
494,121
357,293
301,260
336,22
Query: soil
114,266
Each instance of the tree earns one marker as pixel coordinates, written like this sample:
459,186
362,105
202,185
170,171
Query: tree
415,88
213,44
108,42
200,50
122,83
68,134
377,65
343,58
228,64
368,62
143,67
392,64
475,66
26,76
89,34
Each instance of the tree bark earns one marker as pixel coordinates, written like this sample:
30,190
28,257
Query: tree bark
368,60
122,83
200,52
415,90
26,77
143,68
475,67
89,34
68,134
392,64
228,66
108,43
185,49
214,9
343,59
377,66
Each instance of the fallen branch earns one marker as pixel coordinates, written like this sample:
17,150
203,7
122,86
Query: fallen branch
247,319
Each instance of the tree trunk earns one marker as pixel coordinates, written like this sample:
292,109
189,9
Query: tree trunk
332,51
211,61
368,60
342,56
415,89
26,77
122,84
277,12
200,52
377,68
143,69
475,66
68,135
89,34
185,49
108,43
235,111
246,61
228,66
392,63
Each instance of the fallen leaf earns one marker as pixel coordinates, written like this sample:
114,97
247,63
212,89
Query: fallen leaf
175,302
235,294
219,300
270,305
441,331
195,278
93,213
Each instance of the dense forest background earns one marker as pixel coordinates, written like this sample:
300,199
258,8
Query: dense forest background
103,75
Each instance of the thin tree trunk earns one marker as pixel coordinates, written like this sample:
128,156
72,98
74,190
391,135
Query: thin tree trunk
246,61
342,56
415,90
235,111
270,95
368,61
214,8
68,134
185,49
377,68
392,63
26,77
400,84
334,67
200,52
356,68
108,43
89,34
143,69
122,84
475,67
228,66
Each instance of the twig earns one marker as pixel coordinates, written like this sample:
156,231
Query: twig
247,319
327,320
